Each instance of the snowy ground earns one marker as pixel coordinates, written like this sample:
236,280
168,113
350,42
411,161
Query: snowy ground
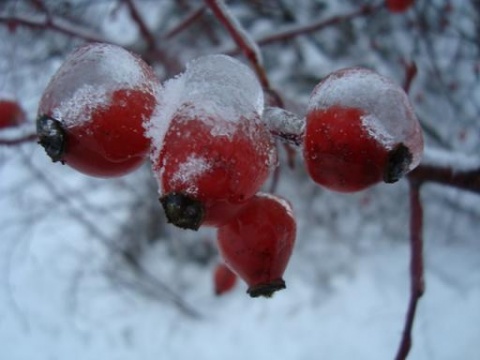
341,302
360,317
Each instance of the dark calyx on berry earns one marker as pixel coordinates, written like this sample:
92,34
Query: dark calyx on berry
183,211
266,289
51,136
398,163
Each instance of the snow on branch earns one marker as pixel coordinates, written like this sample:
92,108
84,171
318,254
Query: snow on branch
243,40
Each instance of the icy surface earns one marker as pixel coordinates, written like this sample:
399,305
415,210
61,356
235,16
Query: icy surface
283,122
216,89
190,170
388,114
87,79
220,86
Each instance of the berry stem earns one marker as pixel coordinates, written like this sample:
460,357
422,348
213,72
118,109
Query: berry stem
52,137
183,211
266,290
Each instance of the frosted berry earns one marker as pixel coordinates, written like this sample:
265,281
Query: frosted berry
398,6
224,279
11,114
258,242
215,153
92,114
360,130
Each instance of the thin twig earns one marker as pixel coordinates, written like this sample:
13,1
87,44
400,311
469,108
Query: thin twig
294,31
185,23
242,40
18,141
142,26
47,22
417,284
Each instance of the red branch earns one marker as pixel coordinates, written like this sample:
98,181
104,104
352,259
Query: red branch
319,25
185,23
238,35
466,180
417,284
410,73
142,26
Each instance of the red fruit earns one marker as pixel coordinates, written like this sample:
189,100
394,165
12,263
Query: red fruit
257,244
215,174
224,279
11,114
215,153
360,130
398,6
92,114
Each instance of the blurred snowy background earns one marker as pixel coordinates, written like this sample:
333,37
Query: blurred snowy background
89,269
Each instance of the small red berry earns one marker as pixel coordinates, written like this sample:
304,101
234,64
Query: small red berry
11,114
360,130
92,114
398,6
216,153
258,242
224,279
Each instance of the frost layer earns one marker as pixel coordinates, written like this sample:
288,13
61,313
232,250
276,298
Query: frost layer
218,90
88,78
389,117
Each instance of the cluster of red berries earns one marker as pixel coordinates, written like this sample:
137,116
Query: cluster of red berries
104,113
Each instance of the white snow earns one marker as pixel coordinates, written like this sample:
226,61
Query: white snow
388,114
216,89
169,99
283,121
222,87
86,100
87,79
189,171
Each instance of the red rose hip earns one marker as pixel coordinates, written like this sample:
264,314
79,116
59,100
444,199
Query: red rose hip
92,114
224,279
212,151
11,114
398,6
258,242
360,130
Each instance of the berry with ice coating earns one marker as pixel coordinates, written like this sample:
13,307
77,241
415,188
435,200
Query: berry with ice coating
11,114
92,113
258,242
360,130
398,6
224,279
215,153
